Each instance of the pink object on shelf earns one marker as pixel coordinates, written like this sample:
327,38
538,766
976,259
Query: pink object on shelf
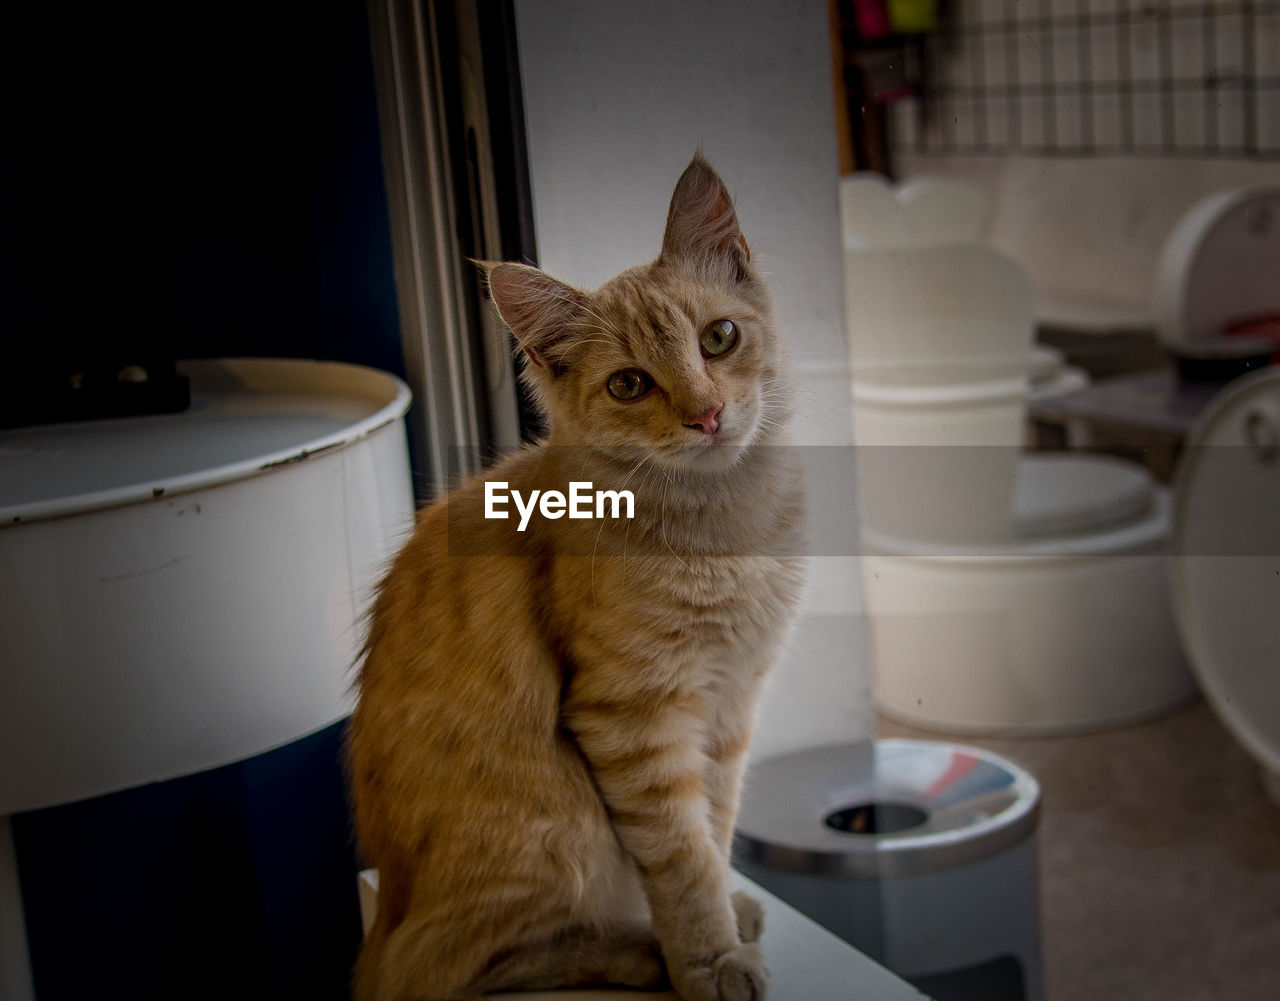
872,17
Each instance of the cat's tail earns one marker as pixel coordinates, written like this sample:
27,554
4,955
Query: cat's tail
366,986
392,966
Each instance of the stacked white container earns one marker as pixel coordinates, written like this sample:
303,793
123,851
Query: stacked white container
1006,593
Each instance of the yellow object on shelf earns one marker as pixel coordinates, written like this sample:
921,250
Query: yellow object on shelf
913,17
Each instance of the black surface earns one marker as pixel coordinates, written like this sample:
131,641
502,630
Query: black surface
999,979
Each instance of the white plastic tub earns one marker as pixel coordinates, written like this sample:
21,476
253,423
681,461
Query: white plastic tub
1056,635
938,463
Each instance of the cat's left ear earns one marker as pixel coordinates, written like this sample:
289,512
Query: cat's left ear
702,226
541,311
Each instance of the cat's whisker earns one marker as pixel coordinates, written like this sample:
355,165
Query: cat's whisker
825,424
594,549
626,537
632,471
596,315
582,465
817,401
666,543
579,343
580,305
646,459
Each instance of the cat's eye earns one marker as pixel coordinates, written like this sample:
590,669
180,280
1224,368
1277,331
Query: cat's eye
629,384
719,338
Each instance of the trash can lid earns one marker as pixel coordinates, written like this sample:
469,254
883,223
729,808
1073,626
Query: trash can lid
884,808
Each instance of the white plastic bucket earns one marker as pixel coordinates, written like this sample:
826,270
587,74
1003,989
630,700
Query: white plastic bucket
1056,635
938,463
181,591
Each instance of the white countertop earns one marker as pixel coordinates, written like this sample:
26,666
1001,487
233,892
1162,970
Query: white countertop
806,962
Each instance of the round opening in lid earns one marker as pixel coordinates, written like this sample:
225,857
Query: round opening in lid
875,818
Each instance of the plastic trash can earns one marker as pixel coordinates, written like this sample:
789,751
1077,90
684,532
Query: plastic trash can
921,854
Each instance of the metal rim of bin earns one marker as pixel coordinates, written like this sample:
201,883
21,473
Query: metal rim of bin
976,803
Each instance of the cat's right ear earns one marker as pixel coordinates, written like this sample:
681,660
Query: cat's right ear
541,311
702,226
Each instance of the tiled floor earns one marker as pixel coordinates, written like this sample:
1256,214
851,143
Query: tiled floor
1159,860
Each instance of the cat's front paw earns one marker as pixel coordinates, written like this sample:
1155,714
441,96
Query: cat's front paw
741,974
750,916
737,975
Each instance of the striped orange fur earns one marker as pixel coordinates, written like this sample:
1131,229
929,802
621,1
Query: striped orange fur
549,741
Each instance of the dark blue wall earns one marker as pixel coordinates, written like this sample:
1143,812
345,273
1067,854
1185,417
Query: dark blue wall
204,179
237,883
194,181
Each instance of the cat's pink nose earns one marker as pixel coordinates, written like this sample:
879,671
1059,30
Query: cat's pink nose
708,422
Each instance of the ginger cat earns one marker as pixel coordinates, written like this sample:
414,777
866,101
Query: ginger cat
549,743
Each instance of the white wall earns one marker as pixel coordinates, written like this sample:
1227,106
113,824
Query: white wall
618,97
